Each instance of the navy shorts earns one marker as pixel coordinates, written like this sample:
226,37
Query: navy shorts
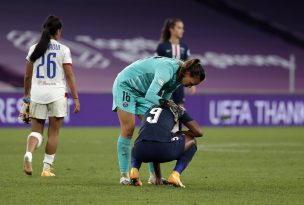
178,96
153,151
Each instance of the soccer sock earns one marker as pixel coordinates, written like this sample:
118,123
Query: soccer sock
184,160
151,168
123,152
29,156
136,164
48,161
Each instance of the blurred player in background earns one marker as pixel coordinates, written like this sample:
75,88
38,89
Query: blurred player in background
48,69
144,83
171,46
156,143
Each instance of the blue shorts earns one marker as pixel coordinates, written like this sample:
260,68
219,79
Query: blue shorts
179,96
128,102
152,151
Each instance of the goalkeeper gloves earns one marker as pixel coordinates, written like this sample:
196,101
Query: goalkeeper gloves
24,114
176,110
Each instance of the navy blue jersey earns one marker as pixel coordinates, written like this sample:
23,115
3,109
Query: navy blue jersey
167,49
180,51
157,125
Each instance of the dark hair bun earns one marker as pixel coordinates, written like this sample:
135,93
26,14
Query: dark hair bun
195,68
196,61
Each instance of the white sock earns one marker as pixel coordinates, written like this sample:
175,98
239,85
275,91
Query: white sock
29,156
124,174
152,174
48,161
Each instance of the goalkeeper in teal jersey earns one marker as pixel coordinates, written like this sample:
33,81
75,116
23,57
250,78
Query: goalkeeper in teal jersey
144,83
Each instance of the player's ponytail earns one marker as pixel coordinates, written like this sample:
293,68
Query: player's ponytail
50,27
166,33
194,67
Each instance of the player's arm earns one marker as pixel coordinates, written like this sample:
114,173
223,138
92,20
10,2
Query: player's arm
28,79
167,95
160,78
194,128
69,74
24,114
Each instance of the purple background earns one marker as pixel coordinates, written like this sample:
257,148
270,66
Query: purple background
120,24
96,110
206,30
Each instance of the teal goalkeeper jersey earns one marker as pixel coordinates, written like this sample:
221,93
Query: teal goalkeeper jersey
152,78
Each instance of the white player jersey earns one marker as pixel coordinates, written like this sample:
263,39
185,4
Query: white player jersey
48,79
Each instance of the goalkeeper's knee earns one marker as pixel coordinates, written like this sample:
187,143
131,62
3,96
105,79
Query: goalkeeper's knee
38,136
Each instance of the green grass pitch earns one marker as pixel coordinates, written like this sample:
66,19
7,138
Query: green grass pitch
237,166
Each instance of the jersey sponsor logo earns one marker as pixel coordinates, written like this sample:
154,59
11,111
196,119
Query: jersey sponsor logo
44,82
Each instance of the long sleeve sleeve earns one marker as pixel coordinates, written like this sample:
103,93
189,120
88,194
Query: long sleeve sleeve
167,95
160,78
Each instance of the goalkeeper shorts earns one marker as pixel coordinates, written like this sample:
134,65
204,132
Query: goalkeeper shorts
128,101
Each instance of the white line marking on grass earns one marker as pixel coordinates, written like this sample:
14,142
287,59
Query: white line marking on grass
221,150
254,147
224,145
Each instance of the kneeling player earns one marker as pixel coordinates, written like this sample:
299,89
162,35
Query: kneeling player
156,143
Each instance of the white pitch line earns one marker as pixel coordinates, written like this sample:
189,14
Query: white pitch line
247,151
224,145
246,147
222,150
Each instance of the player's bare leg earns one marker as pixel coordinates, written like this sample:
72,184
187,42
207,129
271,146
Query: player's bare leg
34,140
51,146
158,180
127,126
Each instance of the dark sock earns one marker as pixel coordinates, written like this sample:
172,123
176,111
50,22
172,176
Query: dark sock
134,162
184,160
